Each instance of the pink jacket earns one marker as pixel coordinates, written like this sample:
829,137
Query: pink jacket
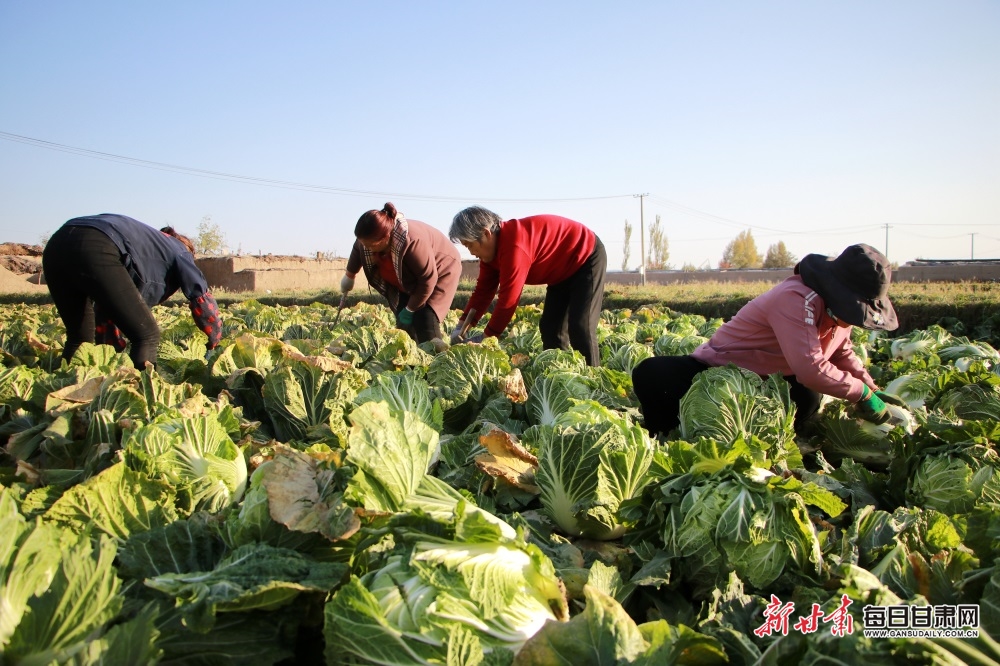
786,330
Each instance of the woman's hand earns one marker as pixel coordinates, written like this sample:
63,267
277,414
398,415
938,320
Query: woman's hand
205,312
871,408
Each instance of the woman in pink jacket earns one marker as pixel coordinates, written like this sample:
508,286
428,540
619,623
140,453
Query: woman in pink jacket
411,263
801,329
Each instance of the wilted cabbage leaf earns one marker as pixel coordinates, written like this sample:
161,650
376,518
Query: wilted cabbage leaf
505,458
304,497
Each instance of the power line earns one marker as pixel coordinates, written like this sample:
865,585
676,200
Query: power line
835,232
935,224
269,182
916,235
326,189
697,213
741,225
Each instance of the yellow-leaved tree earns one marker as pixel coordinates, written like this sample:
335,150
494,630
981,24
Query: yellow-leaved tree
742,252
778,256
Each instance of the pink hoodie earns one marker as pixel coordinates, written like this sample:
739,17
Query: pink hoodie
786,330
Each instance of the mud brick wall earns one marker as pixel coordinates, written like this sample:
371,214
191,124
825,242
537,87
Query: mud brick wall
274,273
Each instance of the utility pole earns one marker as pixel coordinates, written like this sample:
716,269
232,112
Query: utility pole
642,237
886,241
972,253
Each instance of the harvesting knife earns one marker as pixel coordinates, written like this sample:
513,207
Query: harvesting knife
467,324
458,335
340,308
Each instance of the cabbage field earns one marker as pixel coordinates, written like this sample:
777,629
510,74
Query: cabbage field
319,490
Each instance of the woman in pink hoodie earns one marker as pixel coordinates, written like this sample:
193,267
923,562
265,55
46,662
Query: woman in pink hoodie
801,329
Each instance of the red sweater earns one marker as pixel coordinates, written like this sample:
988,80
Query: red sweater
541,249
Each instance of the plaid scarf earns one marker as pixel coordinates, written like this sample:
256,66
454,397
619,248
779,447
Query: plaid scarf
397,243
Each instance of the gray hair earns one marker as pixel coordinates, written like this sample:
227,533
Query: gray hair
469,224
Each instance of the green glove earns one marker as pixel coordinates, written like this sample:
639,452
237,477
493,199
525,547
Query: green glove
871,408
404,317
891,399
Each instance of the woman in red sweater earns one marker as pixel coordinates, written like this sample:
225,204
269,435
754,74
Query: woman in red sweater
541,249
411,263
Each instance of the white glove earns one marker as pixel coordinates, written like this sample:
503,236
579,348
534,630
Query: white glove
346,284
456,334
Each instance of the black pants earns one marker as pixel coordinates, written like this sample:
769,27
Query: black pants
573,308
425,324
661,381
83,267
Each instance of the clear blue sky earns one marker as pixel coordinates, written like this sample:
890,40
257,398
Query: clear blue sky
814,123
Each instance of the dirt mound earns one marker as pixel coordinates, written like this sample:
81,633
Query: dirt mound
11,283
21,265
20,268
20,250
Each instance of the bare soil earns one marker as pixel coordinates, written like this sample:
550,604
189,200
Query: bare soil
21,269
13,283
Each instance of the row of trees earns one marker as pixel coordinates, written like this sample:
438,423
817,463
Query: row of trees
659,247
741,252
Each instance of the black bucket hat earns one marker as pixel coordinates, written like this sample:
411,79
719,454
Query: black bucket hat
855,286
